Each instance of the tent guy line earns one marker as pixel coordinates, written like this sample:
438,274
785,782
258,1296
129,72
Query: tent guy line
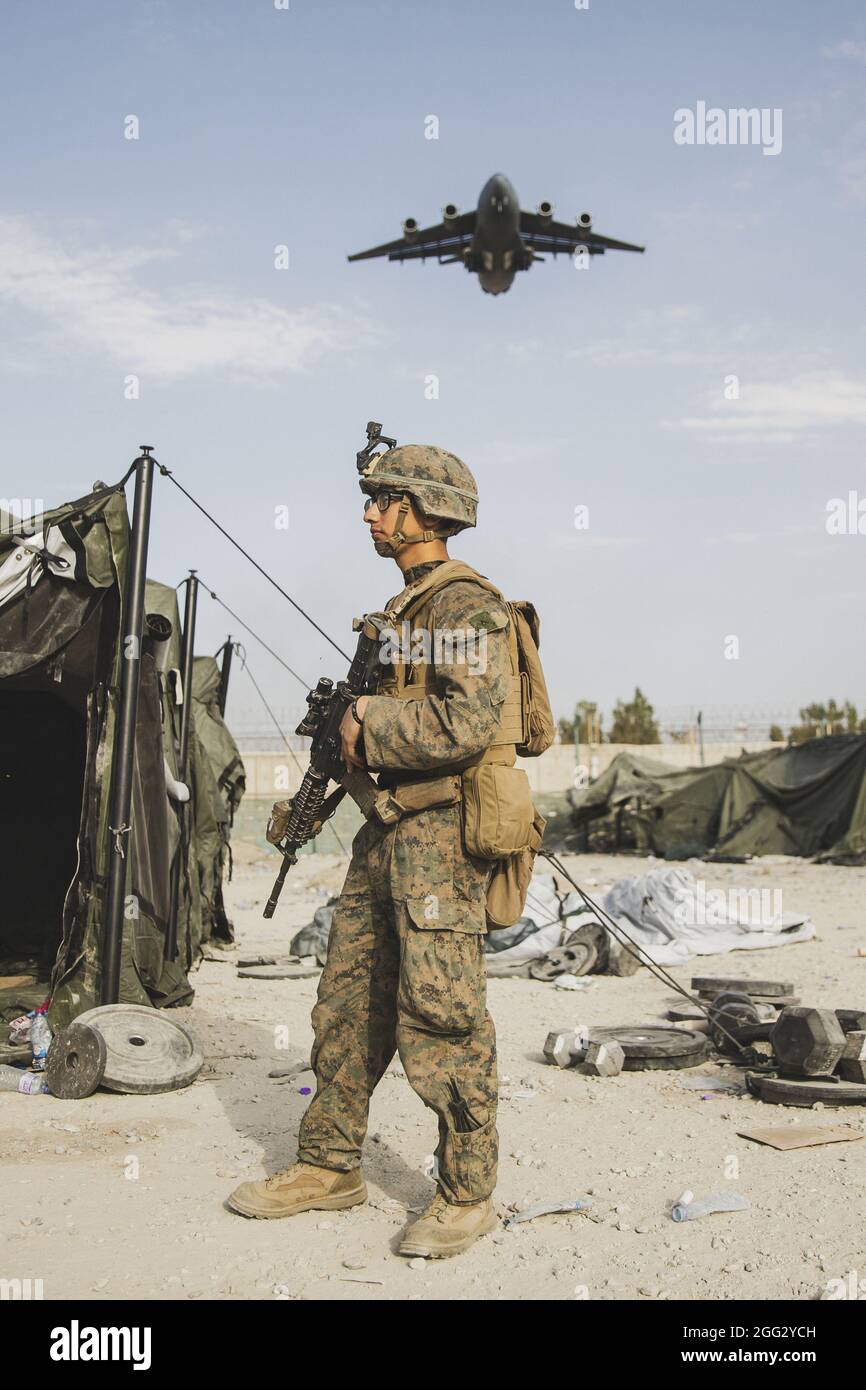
167,473
306,684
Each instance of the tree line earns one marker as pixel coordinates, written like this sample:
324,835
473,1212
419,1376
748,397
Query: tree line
634,721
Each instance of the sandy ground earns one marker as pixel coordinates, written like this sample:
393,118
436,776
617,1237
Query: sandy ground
122,1196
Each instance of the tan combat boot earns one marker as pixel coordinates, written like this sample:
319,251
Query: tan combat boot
446,1229
303,1187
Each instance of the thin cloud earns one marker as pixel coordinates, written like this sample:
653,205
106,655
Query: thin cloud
847,48
92,301
781,411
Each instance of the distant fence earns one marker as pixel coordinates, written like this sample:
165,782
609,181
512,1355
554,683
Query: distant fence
276,775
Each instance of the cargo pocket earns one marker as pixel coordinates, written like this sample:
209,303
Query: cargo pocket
442,976
467,1163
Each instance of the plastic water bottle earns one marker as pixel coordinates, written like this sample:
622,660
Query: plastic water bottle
719,1201
28,1082
40,1040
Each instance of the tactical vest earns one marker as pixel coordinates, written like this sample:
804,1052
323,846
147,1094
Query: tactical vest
413,680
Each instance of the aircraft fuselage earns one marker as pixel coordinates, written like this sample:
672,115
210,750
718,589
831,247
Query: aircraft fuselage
496,249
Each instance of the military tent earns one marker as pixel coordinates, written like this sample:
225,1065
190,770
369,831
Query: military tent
62,594
809,799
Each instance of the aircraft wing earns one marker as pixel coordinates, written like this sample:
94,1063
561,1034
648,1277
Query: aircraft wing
441,240
543,234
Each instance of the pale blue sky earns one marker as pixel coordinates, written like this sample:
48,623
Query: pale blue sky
603,388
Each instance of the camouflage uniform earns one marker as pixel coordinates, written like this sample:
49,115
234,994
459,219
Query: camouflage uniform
405,967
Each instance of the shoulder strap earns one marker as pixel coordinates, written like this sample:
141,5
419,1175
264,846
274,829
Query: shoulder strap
447,573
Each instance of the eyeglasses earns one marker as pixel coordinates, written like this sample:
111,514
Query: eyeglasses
383,500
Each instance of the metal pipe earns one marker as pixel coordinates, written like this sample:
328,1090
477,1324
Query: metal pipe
186,665
120,798
225,672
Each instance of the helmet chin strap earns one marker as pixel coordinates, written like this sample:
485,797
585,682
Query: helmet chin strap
391,544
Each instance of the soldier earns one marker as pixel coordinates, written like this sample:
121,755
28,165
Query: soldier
405,967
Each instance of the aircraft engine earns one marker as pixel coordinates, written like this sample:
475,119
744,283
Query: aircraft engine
545,210
585,221
410,229
449,213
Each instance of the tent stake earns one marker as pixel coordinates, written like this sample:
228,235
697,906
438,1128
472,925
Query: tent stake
187,654
122,766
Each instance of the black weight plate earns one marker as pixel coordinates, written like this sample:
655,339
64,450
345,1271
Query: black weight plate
730,997
75,1064
655,1049
783,1090
778,1001
718,983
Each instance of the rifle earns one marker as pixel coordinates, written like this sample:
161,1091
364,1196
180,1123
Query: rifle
308,809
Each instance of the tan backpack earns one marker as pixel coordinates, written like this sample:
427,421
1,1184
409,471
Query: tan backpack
537,726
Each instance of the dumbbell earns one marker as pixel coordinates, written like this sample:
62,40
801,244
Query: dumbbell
808,1042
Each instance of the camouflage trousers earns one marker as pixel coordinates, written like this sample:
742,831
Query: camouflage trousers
405,972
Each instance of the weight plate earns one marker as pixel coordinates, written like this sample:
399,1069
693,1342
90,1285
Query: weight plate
783,1090
655,1049
730,1000
851,1020
75,1064
718,983
147,1051
778,1001
594,935
278,972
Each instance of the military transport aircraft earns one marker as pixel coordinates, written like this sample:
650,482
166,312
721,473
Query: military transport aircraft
496,240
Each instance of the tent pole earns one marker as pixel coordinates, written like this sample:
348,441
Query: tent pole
186,662
123,763
225,672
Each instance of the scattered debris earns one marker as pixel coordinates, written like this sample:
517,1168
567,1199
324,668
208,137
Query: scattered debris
706,1206
547,1209
800,1136
571,982
30,1083
711,1083
289,1073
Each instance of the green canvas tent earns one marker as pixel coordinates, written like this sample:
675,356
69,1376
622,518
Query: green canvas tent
809,799
62,587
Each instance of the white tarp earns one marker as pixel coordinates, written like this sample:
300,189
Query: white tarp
673,916
669,913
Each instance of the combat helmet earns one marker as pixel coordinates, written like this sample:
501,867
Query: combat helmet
442,484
